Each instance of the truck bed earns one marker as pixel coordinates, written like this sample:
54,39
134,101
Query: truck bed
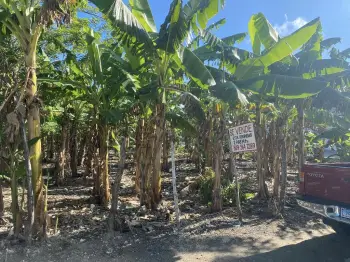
329,182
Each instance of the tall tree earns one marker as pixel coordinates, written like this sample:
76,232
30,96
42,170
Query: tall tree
26,20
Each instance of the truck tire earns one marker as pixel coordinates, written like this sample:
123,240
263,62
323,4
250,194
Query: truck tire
338,227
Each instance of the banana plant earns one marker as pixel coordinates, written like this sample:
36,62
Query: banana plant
164,59
105,84
26,20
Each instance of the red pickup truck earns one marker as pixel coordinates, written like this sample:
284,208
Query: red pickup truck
325,189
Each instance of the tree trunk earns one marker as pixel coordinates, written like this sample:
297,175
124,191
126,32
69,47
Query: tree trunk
74,150
230,175
97,188
103,164
16,217
275,129
81,150
301,141
166,147
60,165
156,174
2,206
263,191
176,199
50,153
138,152
146,164
113,217
30,198
283,173
208,145
217,200
89,154
34,131
219,132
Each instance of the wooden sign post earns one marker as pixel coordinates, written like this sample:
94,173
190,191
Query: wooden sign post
242,139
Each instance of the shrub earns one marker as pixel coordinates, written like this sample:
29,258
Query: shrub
228,191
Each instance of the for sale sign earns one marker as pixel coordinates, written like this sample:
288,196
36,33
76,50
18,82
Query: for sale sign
242,138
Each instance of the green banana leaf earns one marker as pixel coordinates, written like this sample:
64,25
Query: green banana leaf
329,42
283,48
126,25
142,11
283,86
261,33
174,30
192,106
200,12
194,67
322,67
233,39
229,93
180,122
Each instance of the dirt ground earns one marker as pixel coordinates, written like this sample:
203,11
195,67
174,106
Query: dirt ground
299,236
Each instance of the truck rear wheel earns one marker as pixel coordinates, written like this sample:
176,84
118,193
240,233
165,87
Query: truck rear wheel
338,227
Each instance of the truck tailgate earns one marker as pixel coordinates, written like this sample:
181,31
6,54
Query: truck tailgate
331,182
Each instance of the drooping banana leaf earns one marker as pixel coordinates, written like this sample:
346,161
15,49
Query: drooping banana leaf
127,26
142,11
199,12
174,29
283,48
229,93
179,121
192,106
329,42
287,87
194,67
233,39
320,68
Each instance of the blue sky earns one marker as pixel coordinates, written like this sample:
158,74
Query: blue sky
285,15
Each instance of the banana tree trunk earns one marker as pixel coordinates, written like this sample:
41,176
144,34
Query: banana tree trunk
276,158
2,206
217,200
60,166
97,188
156,175
103,164
219,132
166,147
114,221
283,173
208,146
74,150
14,200
28,167
301,141
89,154
81,150
263,191
138,153
50,153
146,164
34,130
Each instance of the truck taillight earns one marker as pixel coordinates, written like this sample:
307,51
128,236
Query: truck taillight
301,177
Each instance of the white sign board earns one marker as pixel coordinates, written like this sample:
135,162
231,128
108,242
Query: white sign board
242,138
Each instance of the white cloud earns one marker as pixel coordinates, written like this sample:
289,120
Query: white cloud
289,27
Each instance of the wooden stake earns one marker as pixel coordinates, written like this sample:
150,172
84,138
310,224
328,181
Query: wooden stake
176,199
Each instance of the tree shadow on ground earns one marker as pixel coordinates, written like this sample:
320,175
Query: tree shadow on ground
330,248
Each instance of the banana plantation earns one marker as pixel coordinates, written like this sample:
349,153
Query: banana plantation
96,99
